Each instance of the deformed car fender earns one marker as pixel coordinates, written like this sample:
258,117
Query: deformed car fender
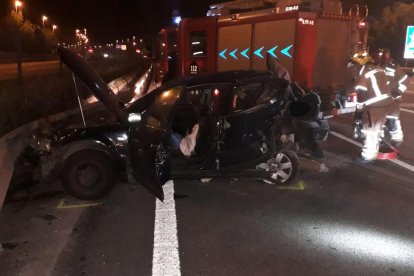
65,151
88,144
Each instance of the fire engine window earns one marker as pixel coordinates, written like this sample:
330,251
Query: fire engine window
198,44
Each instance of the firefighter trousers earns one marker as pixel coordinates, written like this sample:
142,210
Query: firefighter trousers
373,119
393,121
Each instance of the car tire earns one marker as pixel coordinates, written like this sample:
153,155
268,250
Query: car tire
88,174
284,167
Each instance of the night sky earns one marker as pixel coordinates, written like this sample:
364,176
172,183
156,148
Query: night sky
107,20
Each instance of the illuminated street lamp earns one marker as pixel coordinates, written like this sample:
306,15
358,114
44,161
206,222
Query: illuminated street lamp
54,27
44,18
83,39
17,5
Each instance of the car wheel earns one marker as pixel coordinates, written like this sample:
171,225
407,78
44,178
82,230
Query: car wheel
88,174
284,167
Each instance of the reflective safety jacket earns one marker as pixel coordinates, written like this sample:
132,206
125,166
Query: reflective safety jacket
372,85
397,79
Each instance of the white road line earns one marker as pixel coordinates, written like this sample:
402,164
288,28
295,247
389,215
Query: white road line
395,161
165,258
407,110
334,133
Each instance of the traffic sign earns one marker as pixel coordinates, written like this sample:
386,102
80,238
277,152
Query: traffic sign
409,43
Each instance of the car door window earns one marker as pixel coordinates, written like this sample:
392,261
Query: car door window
245,97
158,114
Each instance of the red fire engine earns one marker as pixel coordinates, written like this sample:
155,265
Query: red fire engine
312,39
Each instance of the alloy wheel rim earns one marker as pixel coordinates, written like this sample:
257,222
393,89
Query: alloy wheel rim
281,167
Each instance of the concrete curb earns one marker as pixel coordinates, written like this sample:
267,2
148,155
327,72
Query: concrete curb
12,143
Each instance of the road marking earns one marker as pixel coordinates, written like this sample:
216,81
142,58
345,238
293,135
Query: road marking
334,133
62,205
165,259
298,186
403,164
406,110
395,161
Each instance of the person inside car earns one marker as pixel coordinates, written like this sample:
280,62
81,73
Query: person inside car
185,127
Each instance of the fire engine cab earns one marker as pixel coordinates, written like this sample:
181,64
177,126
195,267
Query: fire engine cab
312,39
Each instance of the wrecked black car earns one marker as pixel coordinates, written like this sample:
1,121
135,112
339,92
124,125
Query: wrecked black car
230,123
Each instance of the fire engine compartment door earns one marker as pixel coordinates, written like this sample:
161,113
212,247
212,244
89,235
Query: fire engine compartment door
197,45
333,49
271,34
245,46
232,41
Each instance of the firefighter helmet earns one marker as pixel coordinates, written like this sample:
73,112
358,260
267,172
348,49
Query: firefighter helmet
381,56
361,57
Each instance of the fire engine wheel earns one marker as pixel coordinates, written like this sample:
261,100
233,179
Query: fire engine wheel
284,167
88,174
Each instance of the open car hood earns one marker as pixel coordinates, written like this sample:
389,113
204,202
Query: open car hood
95,83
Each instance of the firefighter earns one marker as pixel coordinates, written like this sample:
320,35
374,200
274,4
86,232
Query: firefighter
398,78
374,102
356,63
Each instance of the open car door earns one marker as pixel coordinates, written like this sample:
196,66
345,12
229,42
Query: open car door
149,142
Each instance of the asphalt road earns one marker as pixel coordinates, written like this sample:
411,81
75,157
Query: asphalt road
29,69
353,220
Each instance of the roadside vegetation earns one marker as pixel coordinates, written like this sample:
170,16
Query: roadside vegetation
33,39
50,94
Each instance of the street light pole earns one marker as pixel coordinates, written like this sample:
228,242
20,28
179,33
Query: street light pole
44,18
18,4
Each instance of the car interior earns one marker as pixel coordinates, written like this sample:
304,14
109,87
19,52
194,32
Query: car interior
195,107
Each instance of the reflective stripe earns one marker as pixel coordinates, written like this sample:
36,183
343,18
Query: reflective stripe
392,117
371,73
389,69
402,87
362,70
376,99
403,79
391,74
361,87
375,86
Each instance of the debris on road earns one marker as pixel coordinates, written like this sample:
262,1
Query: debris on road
313,165
48,217
8,245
